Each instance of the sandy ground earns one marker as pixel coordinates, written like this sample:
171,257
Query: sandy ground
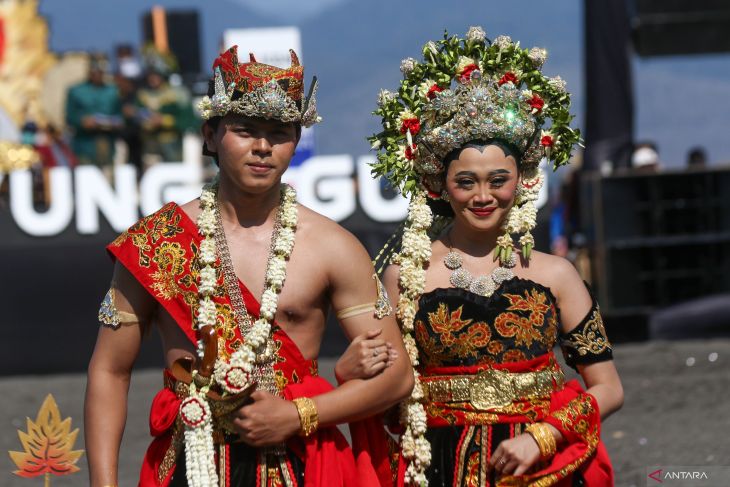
677,396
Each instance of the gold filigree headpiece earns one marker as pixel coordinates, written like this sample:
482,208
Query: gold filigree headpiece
259,90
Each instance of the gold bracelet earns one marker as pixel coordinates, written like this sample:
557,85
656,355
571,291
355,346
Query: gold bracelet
308,416
544,437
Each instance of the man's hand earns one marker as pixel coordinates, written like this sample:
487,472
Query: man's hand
268,421
365,357
515,456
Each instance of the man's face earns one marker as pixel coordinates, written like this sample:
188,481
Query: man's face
252,152
96,76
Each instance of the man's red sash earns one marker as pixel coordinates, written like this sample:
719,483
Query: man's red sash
160,252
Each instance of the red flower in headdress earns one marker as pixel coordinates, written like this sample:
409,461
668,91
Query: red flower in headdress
546,141
509,77
465,74
536,103
411,152
431,94
411,124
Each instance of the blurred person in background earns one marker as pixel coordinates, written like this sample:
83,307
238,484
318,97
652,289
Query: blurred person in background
131,130
645,158
128,65
697,158
165,109
94,115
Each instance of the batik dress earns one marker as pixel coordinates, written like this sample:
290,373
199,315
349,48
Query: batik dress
488,370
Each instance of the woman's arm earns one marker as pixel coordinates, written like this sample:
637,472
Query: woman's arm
578,309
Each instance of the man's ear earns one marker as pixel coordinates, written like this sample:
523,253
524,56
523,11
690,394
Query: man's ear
209,138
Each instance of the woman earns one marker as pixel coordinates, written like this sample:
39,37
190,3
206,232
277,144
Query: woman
480,317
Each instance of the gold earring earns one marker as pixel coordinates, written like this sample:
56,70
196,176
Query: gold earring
445,196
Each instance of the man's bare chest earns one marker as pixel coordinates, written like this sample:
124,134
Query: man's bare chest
306,285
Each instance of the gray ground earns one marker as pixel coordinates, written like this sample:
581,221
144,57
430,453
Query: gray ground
676,412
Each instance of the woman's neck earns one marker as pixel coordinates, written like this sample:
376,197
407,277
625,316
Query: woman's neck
477,243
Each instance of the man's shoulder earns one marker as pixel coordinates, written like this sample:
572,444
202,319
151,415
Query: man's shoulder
325,230
166,223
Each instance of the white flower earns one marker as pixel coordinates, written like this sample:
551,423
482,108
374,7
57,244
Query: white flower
206,222
412,348
207,197
276,272
431,47
538,56
419,213
476,33
412,278
375,145
207,281
557,83
417,418
206,313
268,304
284,243
289,216
416,244
418,393
408,65
207,251
384,97
503,42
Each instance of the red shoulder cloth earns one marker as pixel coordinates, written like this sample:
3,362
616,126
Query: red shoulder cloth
161,251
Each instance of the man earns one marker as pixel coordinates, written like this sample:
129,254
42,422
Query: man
165,113
163,275
93,112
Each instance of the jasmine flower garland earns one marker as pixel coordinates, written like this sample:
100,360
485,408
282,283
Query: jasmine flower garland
234,375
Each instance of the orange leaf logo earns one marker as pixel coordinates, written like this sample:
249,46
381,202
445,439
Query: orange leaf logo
47,444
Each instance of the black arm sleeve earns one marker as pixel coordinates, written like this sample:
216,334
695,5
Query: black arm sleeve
587,343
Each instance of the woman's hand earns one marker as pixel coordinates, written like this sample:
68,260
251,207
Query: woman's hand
365,357
515,456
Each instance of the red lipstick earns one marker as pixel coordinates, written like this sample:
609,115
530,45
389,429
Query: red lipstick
483,212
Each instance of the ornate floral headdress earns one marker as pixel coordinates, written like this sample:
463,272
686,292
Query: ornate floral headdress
259,90
474,89
464,90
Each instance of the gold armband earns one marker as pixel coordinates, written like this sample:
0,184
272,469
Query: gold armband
110,316
308,416
355,310
381,307
544,437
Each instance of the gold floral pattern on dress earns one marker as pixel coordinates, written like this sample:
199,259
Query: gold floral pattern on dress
524,329
449,342
454,331
165,223
170,260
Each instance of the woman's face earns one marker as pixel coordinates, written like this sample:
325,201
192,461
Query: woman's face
481,186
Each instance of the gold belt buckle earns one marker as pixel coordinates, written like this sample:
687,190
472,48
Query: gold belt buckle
491,389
